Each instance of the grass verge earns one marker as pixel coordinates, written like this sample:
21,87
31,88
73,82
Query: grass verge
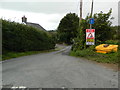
90,54
10,55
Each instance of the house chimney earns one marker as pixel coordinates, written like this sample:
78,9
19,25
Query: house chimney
24,19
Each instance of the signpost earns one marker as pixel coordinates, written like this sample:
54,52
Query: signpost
90,33
91,21
90,36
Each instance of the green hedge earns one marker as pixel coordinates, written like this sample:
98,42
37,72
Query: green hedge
19,37
112,42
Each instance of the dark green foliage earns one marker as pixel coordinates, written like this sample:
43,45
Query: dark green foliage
67,29
102,26
80,41
53,34
115,42
19,37
114,33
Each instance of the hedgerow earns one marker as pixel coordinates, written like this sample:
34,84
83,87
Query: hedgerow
20,38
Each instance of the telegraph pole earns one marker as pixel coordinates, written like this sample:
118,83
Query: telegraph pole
91,14
91,9
80,10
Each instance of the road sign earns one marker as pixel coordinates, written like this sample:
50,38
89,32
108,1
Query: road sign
90,36
91,21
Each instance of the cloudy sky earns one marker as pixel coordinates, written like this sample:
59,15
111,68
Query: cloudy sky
48,13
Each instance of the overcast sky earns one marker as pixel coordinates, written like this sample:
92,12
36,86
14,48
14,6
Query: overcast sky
48,13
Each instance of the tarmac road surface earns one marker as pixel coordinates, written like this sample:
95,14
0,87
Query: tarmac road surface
56,70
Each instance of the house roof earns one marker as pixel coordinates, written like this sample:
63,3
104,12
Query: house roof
35,25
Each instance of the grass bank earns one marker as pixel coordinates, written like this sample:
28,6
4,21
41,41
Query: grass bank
90,54
10,55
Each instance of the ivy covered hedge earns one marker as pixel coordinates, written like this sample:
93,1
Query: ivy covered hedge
20,38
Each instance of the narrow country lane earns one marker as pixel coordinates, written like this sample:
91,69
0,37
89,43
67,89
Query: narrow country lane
56,70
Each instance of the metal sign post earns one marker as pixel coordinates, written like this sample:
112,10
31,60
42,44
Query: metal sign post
90,34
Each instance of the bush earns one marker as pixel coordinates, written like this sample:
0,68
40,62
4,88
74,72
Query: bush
102,26
111,42
67,29
90,54
19,37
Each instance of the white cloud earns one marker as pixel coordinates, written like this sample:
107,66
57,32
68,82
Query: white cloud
48,21
58,0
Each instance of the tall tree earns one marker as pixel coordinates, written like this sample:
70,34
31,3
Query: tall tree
67,29
103,25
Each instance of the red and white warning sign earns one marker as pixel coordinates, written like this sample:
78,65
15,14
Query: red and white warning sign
90,36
